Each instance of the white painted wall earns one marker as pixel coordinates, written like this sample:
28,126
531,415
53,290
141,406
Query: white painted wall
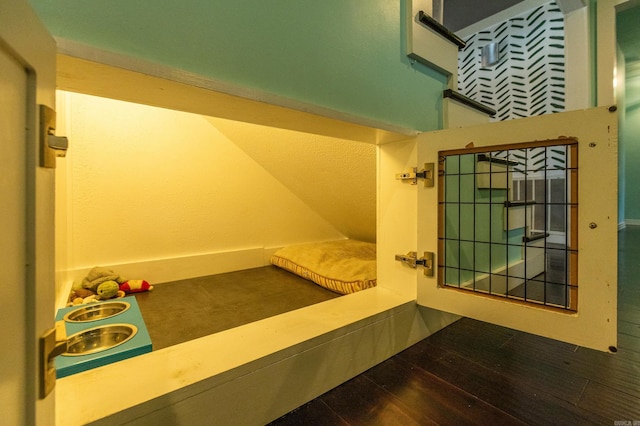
577,60
143,186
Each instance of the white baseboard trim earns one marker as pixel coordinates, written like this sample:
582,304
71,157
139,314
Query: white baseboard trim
631,222
174,269
179,268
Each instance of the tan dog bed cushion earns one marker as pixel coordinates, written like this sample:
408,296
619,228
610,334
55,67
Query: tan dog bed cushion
343,266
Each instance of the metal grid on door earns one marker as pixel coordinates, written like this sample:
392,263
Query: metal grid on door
508,222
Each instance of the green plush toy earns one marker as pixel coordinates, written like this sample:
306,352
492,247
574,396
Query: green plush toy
107,290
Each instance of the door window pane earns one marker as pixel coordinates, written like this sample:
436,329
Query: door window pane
505,222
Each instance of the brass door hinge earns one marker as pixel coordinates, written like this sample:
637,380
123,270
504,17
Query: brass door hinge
52,343
413,175
412,260
51,146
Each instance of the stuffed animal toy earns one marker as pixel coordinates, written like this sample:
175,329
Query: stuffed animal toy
135,286
98,275
108,290
79,295
103,284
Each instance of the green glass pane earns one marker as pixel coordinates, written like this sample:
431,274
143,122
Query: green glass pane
451,254
467,256
482,251
452,221
451,189
483,220
452,164
467,163
467,188
467,222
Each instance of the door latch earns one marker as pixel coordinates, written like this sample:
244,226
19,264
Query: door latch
412,260
51,146
52,343
413,175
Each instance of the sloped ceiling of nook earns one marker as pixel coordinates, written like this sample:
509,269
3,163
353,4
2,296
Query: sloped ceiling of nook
336,178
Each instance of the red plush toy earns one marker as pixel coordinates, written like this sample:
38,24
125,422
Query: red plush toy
135,286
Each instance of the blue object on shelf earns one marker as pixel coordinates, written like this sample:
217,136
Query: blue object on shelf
139,344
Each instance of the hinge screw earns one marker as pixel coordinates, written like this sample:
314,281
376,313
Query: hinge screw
593,225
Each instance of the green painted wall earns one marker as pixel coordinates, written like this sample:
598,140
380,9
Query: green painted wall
622,119
631,140
627,28
347,56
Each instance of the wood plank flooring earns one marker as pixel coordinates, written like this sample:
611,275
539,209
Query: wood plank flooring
477,373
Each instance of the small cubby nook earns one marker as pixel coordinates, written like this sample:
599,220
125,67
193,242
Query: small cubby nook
301,354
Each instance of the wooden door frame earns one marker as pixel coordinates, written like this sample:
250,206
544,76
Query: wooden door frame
30,44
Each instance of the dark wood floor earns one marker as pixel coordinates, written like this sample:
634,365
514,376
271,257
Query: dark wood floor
476,373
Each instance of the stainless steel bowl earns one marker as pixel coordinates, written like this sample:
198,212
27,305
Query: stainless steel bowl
96,311
98,339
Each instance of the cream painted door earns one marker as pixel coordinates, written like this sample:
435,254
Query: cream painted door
478,218
27,77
